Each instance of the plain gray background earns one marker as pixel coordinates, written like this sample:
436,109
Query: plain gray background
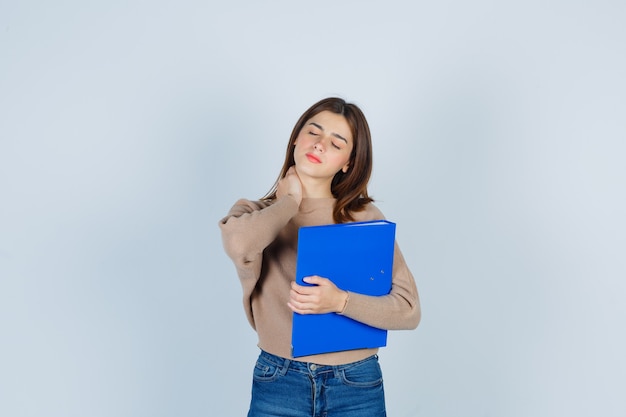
128,129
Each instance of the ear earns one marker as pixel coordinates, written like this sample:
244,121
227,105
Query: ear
345,168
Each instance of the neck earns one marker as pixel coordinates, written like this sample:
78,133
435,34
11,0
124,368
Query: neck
316,189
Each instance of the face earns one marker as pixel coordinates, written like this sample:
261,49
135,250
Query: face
323,146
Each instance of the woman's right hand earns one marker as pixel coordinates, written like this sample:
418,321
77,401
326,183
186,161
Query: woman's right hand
290,185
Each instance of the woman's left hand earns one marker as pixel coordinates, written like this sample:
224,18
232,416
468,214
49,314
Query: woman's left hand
322,297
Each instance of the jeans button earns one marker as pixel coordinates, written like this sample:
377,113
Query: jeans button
313,367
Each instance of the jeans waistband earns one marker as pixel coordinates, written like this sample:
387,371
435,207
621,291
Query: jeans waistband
286,364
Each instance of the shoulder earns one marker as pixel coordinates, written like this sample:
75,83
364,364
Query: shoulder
370,212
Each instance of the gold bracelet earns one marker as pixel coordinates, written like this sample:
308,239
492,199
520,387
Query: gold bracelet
345,304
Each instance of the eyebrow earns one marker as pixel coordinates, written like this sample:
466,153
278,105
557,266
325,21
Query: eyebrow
338,136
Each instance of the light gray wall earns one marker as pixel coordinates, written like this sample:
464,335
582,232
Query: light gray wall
127,129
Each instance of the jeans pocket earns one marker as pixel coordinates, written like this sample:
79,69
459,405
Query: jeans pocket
265,371
366,374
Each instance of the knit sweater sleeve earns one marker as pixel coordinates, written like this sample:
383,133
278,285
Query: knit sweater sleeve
398,310
248,228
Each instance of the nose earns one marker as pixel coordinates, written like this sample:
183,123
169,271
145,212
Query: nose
318,146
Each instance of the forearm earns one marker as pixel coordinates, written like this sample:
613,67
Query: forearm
248,230
400,309
390,312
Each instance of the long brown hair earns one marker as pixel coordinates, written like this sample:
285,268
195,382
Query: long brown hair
349,188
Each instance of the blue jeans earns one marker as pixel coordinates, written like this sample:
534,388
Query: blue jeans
287,388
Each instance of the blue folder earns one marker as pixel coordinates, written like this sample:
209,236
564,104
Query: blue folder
357,257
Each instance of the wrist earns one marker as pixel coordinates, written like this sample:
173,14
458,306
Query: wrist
344,302
296,197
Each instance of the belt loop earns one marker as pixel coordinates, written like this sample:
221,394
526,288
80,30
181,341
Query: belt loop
285,367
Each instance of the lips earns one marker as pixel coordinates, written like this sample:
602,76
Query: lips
313,158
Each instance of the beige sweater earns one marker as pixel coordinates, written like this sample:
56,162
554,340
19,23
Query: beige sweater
261,239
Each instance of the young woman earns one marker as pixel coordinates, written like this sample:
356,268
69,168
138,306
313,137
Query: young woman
323,180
